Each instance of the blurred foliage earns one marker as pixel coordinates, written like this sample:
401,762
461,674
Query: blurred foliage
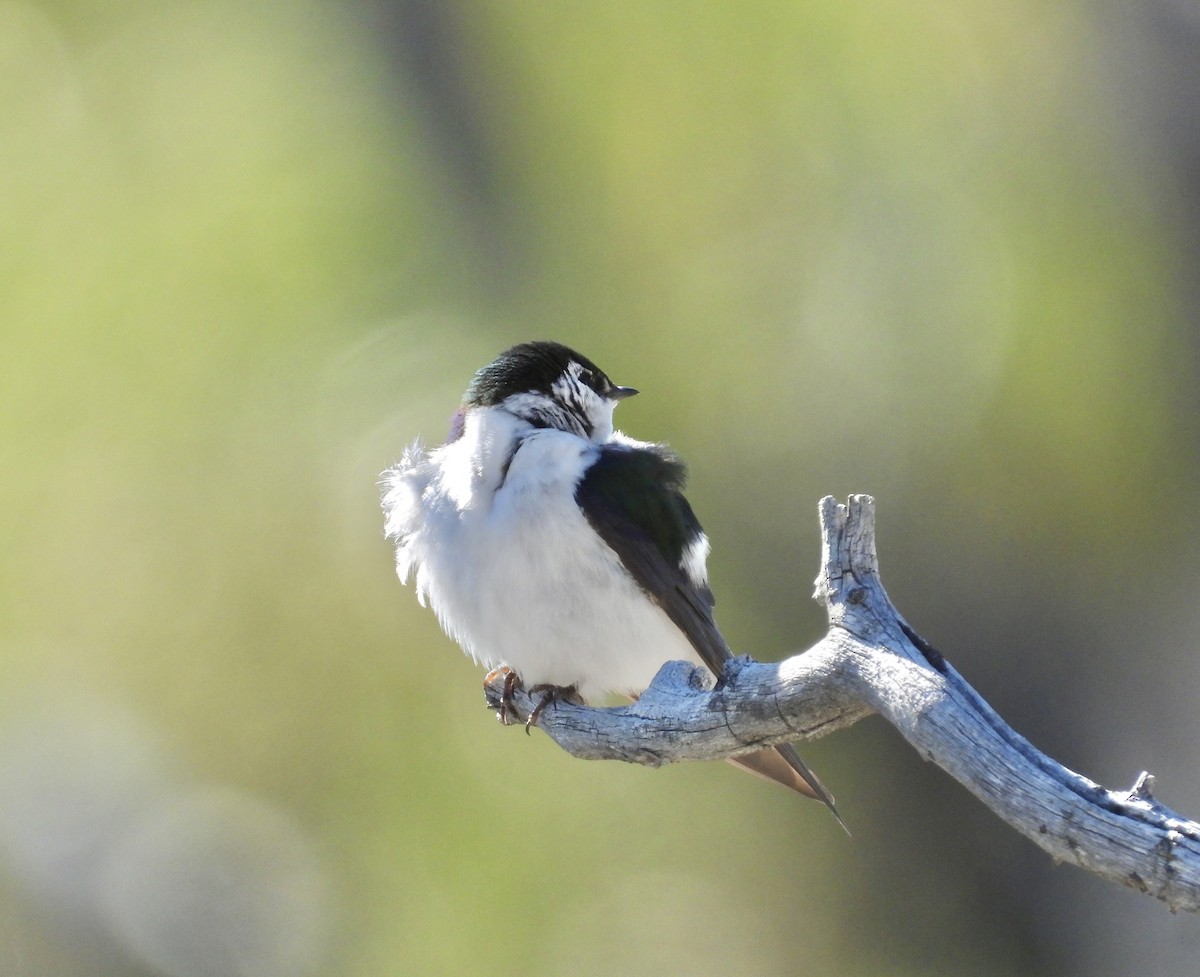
935,252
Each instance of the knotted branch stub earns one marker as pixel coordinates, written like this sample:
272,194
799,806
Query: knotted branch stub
872,661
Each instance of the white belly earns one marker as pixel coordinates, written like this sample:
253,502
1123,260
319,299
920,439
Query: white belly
525,581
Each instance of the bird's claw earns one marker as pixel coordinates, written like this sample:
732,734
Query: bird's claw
551,695
503,700
511,682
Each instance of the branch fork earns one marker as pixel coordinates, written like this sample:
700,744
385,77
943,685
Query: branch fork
872,661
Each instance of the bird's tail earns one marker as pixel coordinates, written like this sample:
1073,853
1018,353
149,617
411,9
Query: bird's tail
782,764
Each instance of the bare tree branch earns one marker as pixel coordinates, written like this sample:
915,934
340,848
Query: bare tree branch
872,661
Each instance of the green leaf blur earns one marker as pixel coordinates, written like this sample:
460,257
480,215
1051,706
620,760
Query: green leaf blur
250,251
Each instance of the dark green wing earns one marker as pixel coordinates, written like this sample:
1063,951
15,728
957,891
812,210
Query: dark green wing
632,497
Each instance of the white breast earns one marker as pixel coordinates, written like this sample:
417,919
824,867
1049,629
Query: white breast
511,566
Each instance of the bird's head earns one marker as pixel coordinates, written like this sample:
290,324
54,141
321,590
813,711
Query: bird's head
551,386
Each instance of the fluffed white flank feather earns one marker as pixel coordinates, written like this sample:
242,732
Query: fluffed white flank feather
512,568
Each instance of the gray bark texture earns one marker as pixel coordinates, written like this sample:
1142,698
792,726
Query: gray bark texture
872,661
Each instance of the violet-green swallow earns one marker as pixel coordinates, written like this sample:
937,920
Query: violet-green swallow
551,544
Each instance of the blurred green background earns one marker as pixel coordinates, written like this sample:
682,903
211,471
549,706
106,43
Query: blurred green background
942,253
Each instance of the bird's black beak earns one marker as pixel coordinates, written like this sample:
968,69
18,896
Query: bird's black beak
620,393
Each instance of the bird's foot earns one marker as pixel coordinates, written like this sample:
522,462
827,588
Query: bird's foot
551,695
511,681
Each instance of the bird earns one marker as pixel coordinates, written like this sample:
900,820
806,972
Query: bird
557,549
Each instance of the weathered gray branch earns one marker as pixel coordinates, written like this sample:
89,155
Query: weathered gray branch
871,661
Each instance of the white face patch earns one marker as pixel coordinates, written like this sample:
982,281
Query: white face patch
540,410
571,406
572,388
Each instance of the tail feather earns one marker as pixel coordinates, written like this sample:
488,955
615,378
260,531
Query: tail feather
783,765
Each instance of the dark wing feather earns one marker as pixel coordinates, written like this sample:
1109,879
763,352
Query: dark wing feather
633,498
